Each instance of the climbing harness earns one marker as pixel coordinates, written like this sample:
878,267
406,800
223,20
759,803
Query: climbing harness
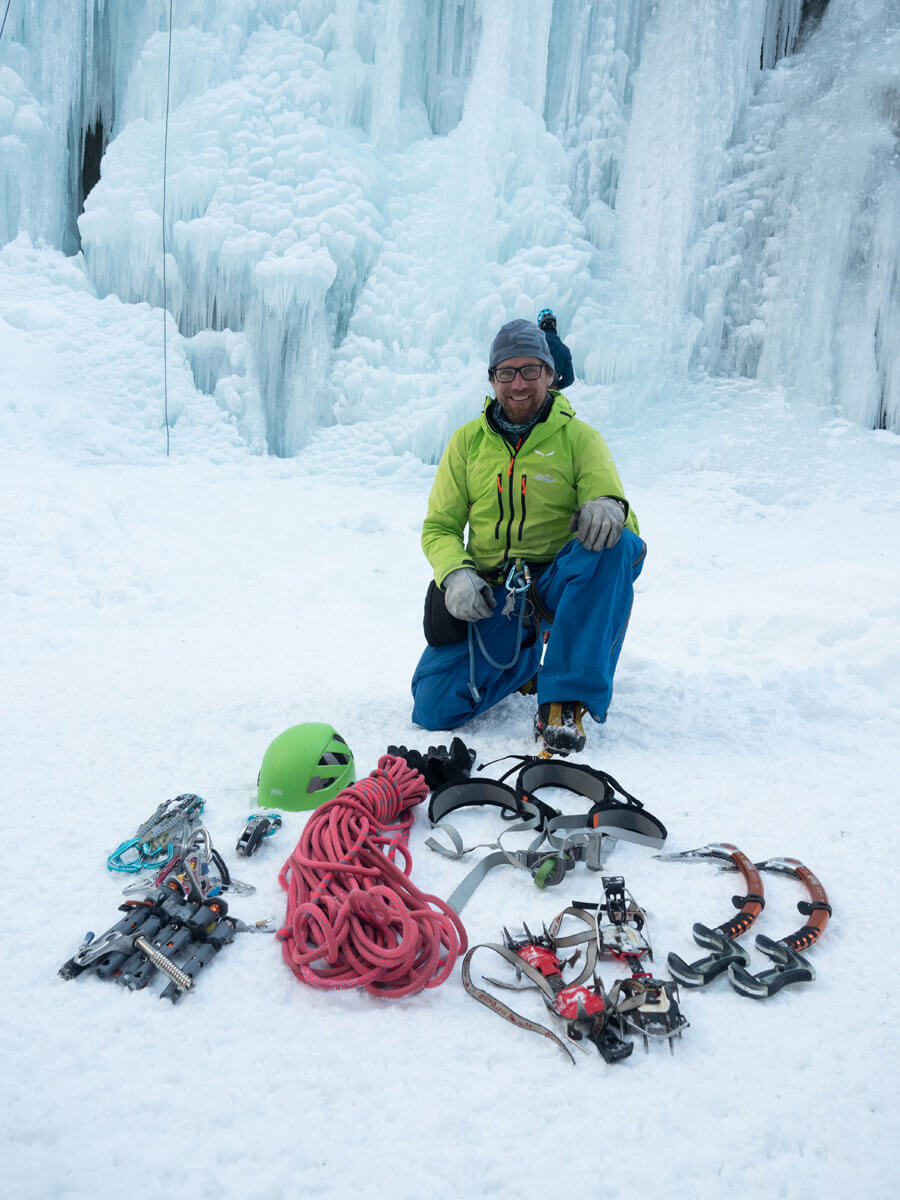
160,837
259,827
790,965
353,917
640,1004
560,841
725,950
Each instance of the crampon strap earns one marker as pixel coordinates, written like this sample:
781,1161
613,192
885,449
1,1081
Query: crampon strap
353,917
586,1011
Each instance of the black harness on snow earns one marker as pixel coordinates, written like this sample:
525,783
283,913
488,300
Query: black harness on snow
560,840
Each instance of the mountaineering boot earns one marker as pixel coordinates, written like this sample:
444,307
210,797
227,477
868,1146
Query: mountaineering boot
559,724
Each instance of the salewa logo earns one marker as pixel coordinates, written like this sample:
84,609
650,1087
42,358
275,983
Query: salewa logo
545,453
545,478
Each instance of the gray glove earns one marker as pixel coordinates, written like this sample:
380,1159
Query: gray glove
598,524
467,596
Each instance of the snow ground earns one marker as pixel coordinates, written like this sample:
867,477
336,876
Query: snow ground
163,619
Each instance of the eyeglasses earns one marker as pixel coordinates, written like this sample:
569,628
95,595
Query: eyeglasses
530,371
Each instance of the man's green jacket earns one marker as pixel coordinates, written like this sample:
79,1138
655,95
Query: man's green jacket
517,503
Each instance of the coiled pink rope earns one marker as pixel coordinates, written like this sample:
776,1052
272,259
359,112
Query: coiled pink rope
353,918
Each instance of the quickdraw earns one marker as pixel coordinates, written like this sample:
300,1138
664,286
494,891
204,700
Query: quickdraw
198,871
790,965
725,950
560,841
640,1004
160,837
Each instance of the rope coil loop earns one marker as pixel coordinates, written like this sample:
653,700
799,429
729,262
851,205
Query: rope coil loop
354,918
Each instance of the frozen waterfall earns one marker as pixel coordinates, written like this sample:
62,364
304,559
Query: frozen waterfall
360,191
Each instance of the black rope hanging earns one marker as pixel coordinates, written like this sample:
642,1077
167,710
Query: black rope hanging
164,248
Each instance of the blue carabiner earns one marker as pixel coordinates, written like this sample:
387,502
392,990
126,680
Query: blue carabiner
144,856
519,578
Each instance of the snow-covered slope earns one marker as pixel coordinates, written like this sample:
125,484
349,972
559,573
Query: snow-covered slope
164,619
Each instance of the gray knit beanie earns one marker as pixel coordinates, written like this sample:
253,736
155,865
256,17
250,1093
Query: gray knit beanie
520,339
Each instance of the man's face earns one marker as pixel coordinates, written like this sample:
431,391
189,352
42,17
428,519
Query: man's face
521,399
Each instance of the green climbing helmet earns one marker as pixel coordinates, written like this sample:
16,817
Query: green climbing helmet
303,767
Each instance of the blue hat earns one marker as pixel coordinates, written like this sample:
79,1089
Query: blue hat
520,339
544,314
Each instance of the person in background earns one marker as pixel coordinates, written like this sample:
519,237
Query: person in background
562,358
551,556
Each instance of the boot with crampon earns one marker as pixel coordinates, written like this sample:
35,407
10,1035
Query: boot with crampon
558,723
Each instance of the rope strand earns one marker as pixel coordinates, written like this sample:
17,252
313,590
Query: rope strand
164,248
354,918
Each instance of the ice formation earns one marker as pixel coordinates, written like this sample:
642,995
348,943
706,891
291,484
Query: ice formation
358,192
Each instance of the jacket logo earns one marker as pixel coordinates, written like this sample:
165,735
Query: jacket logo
545,453
545,478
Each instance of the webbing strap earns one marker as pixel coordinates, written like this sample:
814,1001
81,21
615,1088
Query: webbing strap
575,777
503,1010
481,793
450,796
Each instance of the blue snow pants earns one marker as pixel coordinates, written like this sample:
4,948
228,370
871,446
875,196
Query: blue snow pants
590,594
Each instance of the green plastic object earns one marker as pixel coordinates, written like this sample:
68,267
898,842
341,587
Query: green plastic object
303,767
544,871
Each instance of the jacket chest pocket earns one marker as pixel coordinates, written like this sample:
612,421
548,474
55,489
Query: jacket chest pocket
550,491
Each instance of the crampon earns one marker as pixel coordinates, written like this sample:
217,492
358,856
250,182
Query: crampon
649,1006
584,1009
581,1008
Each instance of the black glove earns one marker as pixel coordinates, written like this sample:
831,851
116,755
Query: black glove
438,764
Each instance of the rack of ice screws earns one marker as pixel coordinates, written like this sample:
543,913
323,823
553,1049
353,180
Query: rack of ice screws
180,921
164,933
